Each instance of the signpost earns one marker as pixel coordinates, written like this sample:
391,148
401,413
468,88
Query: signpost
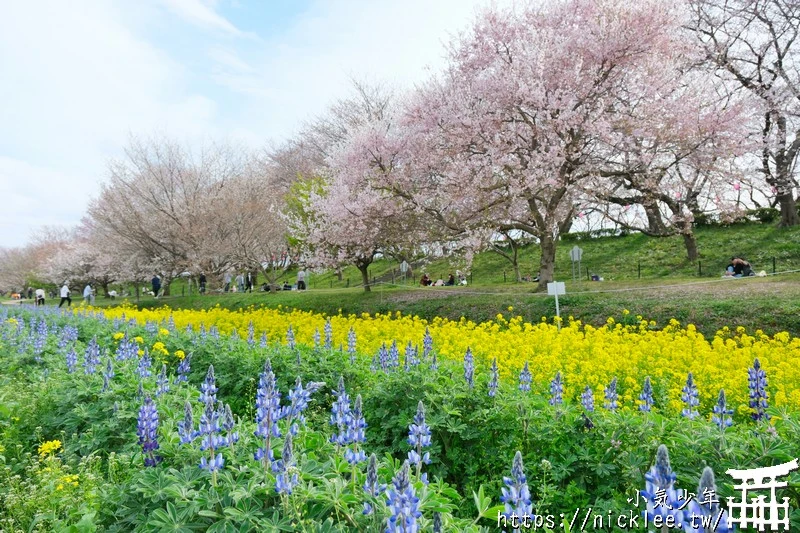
554,288
404,269
575,255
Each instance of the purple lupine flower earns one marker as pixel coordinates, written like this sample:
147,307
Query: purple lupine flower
403,503
214,332
351,345
211,440
722,414
434,363
162,381
290,338
355,434
394,355
285,481
383,357
557,390
183,369
189,329
91,357
516,496
427,344
469,368
234,336
660,494
611,395
145,363
757,383
316,338
494,379
646,396
171,323
264,341
186,430
72,360
411,358
525,378
328,335
229,424
704,510
340,414
147,430
268,412
371,485
208,389
106,383
419,437
690,398
298,401
251,334
151,327
109,373
587,399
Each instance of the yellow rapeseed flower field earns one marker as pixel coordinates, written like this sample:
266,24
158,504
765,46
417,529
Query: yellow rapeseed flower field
585,355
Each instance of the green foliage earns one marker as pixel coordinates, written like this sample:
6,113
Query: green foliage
569,462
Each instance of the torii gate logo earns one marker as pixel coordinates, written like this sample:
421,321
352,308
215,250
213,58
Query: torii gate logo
760,513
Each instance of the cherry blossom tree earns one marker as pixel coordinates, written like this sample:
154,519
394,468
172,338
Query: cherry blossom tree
753,44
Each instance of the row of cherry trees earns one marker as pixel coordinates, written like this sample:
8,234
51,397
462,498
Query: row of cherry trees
649,112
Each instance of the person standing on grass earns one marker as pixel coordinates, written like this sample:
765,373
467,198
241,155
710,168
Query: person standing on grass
156,282
65,295
227,280
240,282
39,296
249,286
202,281
301,280
88,295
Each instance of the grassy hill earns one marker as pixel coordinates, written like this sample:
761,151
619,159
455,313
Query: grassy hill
669,287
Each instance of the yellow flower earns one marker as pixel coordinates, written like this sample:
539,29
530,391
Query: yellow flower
119,335
163,332
510,308
60,486
49,447
180,354
140,353
138,339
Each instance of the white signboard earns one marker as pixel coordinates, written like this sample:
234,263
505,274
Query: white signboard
403,267
556,288
575,254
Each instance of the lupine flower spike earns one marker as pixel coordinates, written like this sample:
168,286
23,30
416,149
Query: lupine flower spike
403,504
469,368
147,431
371,486
722,414
525,379
556,390
611,396
356,434
690,399
516,496
587,399
285,480
494,379
419,437
646,396
757,383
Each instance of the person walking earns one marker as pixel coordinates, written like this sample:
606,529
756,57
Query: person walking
65,295
202,281
249,287
301,280
227,281
240,282
156,282
88,295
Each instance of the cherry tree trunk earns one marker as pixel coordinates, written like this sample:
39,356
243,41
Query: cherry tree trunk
364,269
104,286
690,242
165,286
547,264
788,205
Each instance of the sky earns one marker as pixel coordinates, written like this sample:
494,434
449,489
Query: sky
78,79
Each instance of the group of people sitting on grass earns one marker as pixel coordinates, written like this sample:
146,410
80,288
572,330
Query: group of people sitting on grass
739,268
426,280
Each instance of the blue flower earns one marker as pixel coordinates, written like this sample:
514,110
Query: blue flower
611,396
316,338
211,439
208,389
427,344
383,357
469,368
587,399
525,378
557,390
285,480
371,485
394,355
703,514
328,329
145,362
690,398
662,498
646,396
251,334
290,338
419,437
162,381
494,379
264,342
434,363
351,345
268,412
757,383
516,496
91,357
411,358
402,503
147,431
186,430
356,434
721,412
340,414
298,401
183,369
72,360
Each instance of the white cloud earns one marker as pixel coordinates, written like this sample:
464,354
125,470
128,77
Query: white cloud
203,15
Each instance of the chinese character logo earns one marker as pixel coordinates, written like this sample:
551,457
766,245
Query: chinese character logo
760,512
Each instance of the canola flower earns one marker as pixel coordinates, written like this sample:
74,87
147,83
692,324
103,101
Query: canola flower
584,354
49,447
